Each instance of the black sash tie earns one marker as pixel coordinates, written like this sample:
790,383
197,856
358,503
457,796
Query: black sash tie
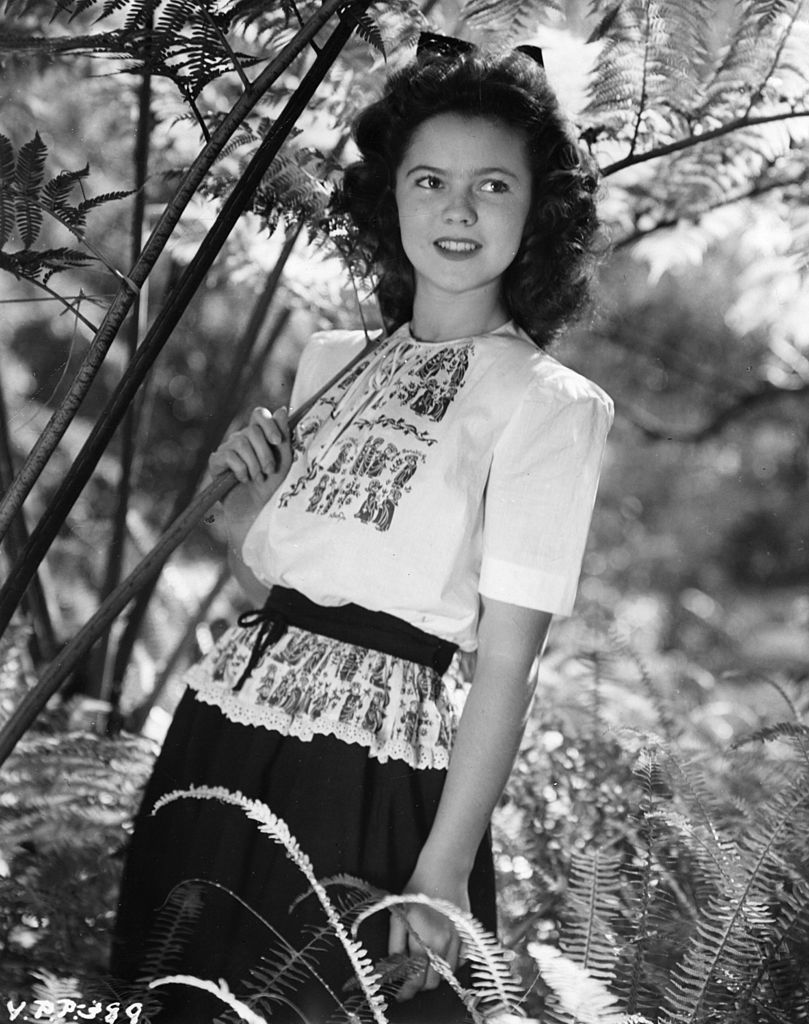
349,623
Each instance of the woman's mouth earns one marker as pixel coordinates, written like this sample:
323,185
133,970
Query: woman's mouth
456,248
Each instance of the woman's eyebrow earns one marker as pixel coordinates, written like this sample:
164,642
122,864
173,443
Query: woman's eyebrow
426,168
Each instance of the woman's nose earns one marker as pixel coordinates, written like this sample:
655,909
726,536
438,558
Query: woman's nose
460,208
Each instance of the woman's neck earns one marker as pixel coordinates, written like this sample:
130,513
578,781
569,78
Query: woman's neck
462,319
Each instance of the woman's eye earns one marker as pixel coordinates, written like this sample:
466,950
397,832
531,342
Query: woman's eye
429,181
494,185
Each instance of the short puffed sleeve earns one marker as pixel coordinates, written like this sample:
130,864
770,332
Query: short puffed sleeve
323,356
541,491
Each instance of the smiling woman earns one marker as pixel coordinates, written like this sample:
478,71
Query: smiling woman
436,496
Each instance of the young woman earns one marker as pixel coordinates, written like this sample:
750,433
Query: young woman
436,497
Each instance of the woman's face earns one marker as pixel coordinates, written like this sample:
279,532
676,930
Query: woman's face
463,192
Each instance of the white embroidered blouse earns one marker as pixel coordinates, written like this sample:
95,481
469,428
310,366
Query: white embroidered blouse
435,472
430,474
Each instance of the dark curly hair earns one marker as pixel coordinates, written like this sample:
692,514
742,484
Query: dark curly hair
547,284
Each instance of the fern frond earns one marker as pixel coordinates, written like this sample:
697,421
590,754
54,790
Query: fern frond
56,191
508,17
588,936
8,165
489,962
766,11
368,30
220,990
273,826
173,925
29,172
732,926
579,997
781,730
283,969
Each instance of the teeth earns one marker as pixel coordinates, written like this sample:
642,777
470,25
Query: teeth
457,246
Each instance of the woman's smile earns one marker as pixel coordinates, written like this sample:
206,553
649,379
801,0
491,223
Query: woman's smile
456,248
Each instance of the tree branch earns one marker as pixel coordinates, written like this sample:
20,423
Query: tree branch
654,430
696,140
671,222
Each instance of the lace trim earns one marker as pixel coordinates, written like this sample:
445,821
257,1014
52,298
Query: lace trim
308,685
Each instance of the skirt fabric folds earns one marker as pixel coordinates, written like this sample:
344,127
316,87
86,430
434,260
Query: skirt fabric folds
231,915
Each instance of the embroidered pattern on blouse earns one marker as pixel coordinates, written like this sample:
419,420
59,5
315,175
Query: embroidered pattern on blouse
307,685
365,476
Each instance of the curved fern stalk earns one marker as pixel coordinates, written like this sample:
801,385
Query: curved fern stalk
494,981
726,934
221,991
119,308
582,999
277,829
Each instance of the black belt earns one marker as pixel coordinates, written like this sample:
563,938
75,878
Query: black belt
349,623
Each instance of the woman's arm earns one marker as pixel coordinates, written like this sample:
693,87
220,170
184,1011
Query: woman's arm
259,456
486,745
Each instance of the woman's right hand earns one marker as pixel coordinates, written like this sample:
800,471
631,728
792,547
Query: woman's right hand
259,456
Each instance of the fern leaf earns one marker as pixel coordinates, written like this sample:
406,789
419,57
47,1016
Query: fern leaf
30,168
7,178
494,981
56,191
592,904
367,29
220,990
106,197
767,11
726,945
273,826
508,16
606,23
781,730
28,176
580,998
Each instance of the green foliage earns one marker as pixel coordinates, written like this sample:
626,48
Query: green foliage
66,798
690,900
25,196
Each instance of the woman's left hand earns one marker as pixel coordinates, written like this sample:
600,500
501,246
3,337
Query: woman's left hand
432,927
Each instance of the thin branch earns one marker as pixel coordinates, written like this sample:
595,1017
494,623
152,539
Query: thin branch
65,301
696,140
654,430
642,100
757,190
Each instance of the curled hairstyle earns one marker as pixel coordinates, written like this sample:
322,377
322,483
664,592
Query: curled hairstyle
547,283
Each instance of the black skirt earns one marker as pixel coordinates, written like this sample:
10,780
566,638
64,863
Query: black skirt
227,890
